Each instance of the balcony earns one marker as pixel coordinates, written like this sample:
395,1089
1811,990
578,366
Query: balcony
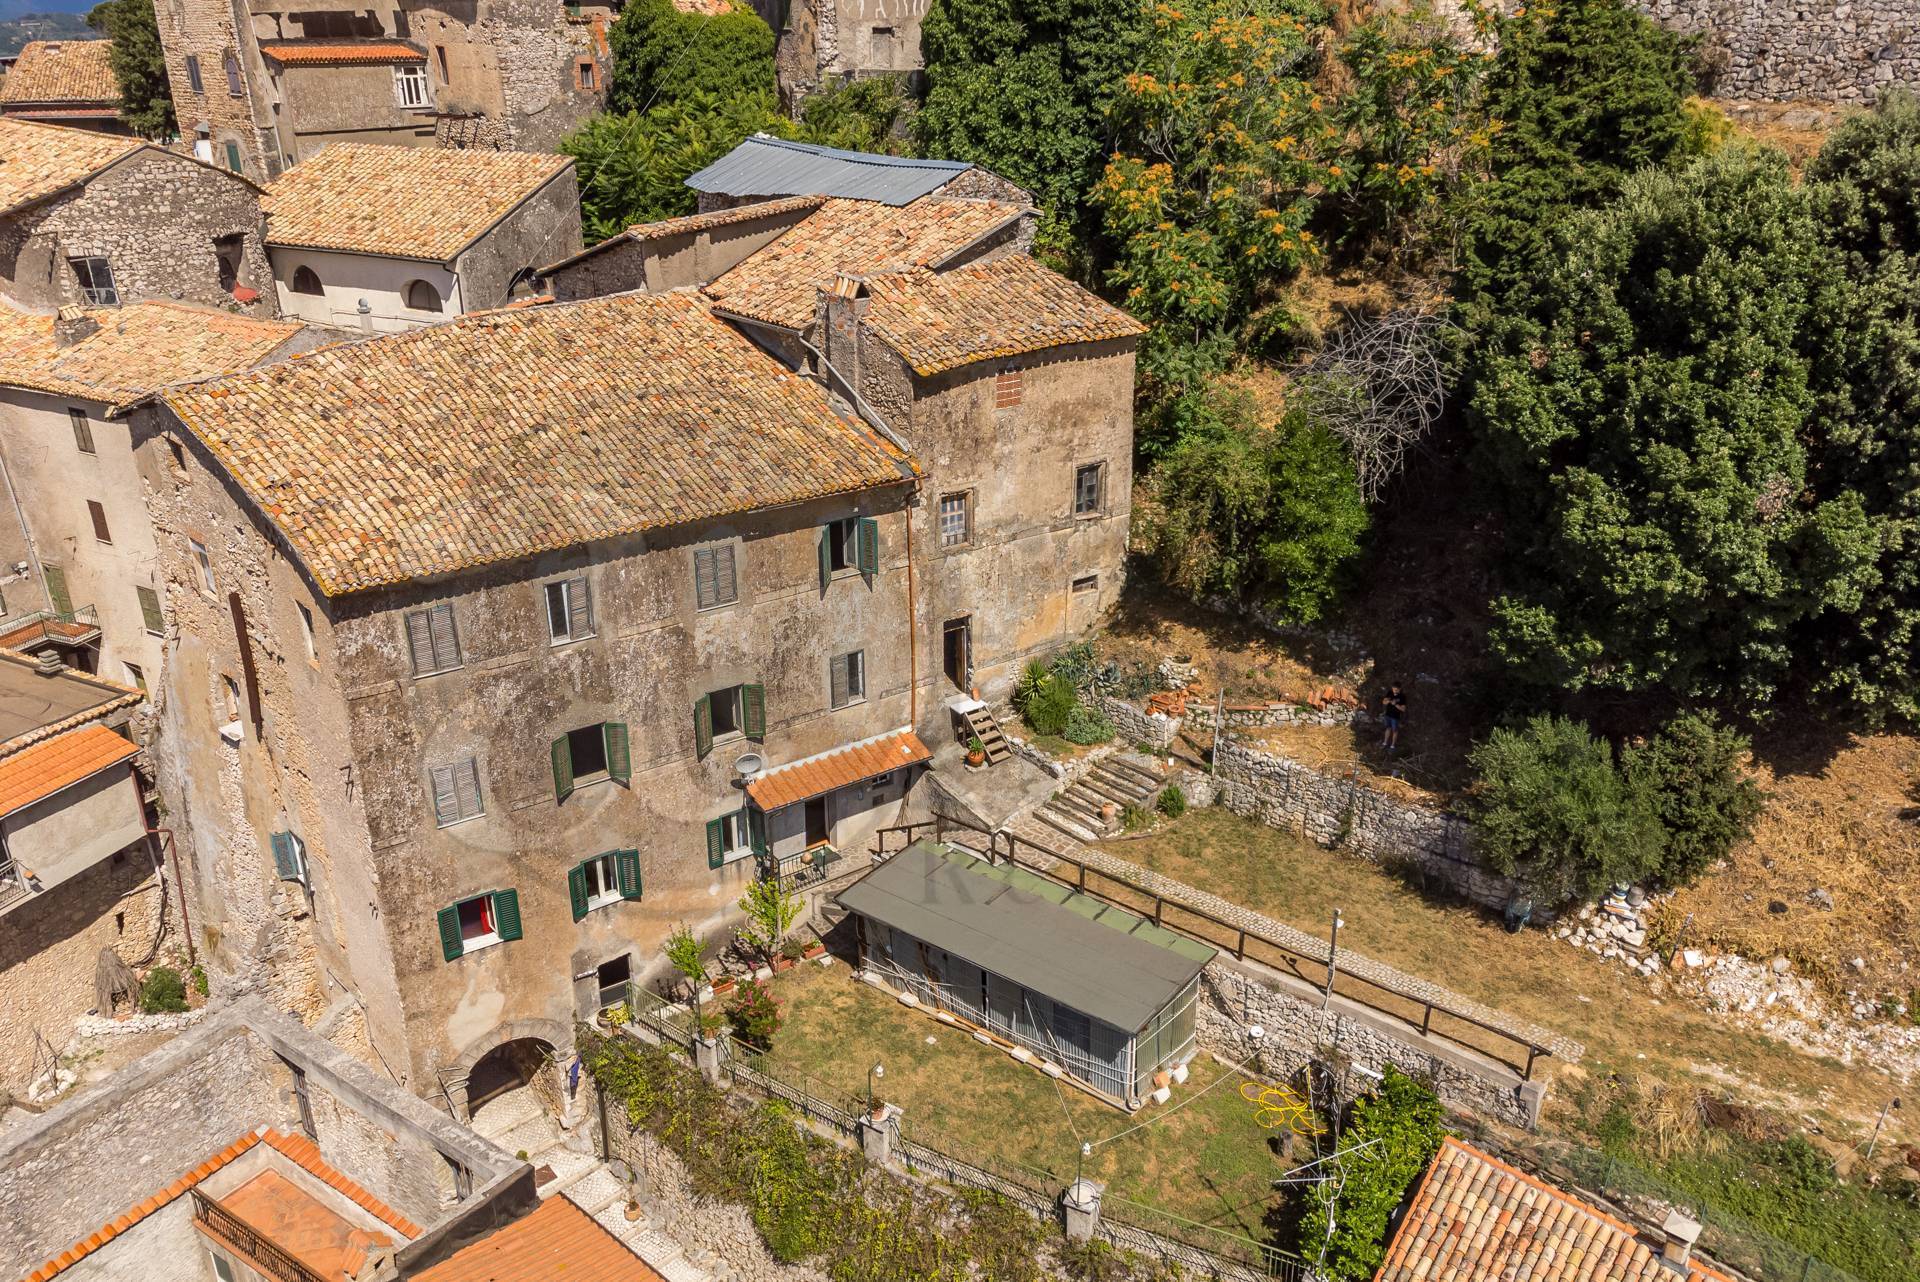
225,1227
71,629
15,884
815,864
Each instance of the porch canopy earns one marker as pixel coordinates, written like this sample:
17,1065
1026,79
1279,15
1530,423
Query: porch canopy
1118,968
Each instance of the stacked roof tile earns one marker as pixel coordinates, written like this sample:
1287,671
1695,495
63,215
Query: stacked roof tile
779,284
812,776
507,433
557,1240
63,71
1000,308
134,350
1475,1217
340,53
44,768
38,161
402,202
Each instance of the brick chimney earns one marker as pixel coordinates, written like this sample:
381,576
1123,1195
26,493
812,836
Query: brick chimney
1682,1232
72,325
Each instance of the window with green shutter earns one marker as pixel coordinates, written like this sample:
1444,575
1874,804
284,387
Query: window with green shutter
478,921
753,712
452,943
613,737
562,769
57,589
703,726
602,880
717,841
867,545
577,890
150,614
289,857
506,913
626,866
839,548
591,754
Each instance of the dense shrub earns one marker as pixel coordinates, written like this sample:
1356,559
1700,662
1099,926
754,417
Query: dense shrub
1173,801
860,115
1692,775
1033,679
755,1014
1085,726
139,66
163,991
1049,710
1394,1134
633,167
663,54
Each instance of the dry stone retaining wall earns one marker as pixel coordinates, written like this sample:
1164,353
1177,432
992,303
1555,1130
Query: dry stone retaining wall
1783,50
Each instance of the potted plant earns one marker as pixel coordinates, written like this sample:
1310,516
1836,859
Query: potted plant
815,948
617,1015
976,751
878,1112
723,985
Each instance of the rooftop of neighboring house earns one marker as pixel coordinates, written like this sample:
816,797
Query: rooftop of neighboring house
779,283
41,161
1474,1216
222,1154
766,166
1000,308
39,701
340,53
424,203
557,1240
40,770
116,355
508,433
63,71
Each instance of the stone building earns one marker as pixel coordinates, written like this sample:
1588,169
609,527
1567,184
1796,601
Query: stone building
262,87
823,43
558,625
101,221
65,82
389,238
90,587
78,872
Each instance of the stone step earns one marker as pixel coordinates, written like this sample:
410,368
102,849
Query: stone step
1149,777
1084,805
534,1136
1133,786
569,1169
663,1254
1064,824
597,1189
1103,790
498,1116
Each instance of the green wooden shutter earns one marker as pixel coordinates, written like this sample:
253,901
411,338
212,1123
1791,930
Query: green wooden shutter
450,942
756,829
866,537
619,762
506,914
753,711
826,556
562,769
150,610
577,890
57,589
703,726
626,867
286,857
716,842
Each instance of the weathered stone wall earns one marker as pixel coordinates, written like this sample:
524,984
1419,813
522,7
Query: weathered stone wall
48,946
1131,725
205,30
541,229
154,216
1822,50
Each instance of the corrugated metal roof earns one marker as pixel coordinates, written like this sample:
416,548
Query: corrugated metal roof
1104,961
768,166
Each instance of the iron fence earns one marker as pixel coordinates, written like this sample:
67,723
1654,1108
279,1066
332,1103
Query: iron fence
1206,1249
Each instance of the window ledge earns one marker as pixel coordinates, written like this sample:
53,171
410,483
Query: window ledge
233,732
604,901
474,945
555,643
442,827
735,856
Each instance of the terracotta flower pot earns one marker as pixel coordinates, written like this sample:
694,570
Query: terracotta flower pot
782,963
815,949
721,987
975,758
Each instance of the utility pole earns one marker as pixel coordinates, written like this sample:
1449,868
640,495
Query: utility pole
1219,724
1333,958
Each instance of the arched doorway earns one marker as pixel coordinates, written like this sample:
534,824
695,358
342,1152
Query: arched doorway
508,1067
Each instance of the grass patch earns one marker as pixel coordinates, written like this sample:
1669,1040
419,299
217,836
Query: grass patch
1207,1162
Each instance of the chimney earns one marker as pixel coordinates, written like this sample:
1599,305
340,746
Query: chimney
1682,1232
72,325
47,663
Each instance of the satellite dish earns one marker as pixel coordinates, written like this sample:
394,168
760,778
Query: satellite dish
748,765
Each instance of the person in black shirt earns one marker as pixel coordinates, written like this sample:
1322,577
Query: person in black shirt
1393,709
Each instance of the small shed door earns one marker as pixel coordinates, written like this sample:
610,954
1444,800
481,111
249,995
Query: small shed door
1003,1005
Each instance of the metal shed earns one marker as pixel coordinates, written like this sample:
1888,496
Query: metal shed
767,166
1105,994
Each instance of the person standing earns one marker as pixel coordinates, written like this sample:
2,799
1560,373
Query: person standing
1393,710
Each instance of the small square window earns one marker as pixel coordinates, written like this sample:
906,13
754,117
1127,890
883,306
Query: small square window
1089,489
433,640
956,519
456,792
714,581
478,927
82,430
306,629
98,515
1087,583
726,711
95,277
202,564
587,749
569,610
586,75
847,678
1008,389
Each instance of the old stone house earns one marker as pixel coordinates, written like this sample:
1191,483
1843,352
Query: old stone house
100,221
263,87
65,82
557,625
77,870
823,43
388,238
86,581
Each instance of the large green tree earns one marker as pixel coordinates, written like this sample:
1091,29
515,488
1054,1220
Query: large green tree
138,65
662,55
1394,1135
1645,426
633,167
1023,89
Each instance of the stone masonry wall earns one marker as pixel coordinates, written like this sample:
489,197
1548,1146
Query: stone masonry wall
1824,50
1131,725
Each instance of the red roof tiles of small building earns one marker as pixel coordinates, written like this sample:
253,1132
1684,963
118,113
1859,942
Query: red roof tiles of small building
37,772
812,776
778,284
38,161
1001,308
133,350
508,433
1476,1218
339,53
65,71
556,1240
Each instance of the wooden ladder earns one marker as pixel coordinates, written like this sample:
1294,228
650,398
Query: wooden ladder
983,727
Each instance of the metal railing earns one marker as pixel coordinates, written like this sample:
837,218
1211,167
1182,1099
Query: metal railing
260,1252
1417,1011
68,627
1203,1249
14,885
815,864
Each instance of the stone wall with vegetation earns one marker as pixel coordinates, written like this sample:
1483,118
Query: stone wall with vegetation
1824,50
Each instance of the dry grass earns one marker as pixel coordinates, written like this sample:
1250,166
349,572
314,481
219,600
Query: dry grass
1628,1025
1796,128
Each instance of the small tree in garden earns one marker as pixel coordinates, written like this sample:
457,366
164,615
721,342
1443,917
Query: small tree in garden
771,911
754,1013
1395,1133
683,950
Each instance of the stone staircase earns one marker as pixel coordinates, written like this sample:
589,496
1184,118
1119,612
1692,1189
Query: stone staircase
982,726
519,1123
1119,780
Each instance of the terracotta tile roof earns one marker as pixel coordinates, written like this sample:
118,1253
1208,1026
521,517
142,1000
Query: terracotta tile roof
339,53
1474,1217
136,349
37,161
555,1240
403,202
76,71
690,223
503,434
45,768
811,776
778,284
80,687
300,1224
291,1146
1001,308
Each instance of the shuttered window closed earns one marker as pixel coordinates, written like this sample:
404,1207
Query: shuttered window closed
150,610
433,640
456,792
714,580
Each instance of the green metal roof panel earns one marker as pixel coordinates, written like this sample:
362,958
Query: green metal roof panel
1048,938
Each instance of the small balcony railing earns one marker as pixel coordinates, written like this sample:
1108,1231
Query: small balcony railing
235,1232
61,627
15,885
815,864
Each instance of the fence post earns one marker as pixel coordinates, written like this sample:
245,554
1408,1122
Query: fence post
876,1133
706,1054
1081,1202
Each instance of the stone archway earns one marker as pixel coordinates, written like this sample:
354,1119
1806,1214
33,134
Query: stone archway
505,1058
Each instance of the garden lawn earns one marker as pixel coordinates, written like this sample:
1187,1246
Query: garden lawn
1626,1024
1207,1161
